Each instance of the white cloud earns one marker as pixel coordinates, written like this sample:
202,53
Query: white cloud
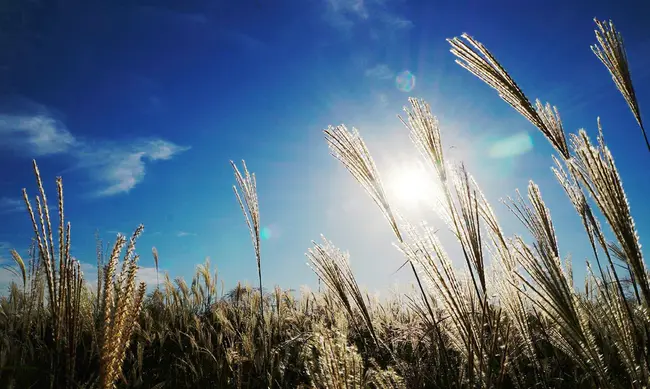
182,234
380,71
118,168
148,275
162,150
41,134
115,167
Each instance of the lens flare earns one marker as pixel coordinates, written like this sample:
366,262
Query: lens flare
511,146
405,81
265,233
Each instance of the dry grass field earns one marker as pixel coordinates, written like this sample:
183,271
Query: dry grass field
512,317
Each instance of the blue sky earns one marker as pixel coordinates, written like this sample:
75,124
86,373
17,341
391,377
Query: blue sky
140,105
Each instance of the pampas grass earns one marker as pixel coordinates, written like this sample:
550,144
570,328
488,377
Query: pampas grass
610,50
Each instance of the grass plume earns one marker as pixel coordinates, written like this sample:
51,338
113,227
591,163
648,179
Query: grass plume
610,50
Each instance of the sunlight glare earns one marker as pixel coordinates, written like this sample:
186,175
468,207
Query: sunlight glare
411,185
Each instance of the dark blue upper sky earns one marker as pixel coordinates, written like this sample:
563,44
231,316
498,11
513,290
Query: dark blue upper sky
140,105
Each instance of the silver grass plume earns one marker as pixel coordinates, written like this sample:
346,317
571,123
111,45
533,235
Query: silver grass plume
480,62
610,50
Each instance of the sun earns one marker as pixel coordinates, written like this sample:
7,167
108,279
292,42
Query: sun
411,185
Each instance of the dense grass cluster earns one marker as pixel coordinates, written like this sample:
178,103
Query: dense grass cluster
510,317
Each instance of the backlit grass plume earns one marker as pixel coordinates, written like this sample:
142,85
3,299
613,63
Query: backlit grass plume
474,57
424,131
553,286
589,167
610,50
596,170
350,149
246,192
333,267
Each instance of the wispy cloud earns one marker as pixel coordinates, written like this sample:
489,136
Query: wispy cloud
43,135
182,234
395,21
380,71
116,167
349,7
345,14
11,205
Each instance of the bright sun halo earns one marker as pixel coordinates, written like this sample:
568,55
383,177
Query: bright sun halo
410,185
